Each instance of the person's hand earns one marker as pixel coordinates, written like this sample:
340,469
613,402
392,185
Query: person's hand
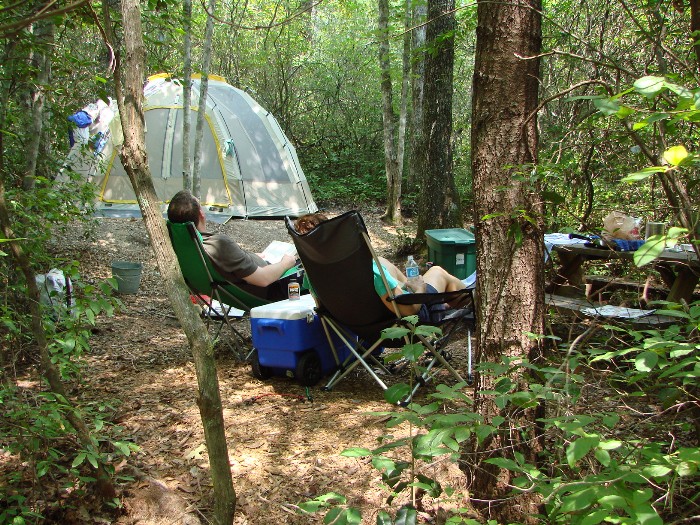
288,261
416,285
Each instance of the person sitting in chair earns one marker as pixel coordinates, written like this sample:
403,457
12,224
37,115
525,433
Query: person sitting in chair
435,280
242,268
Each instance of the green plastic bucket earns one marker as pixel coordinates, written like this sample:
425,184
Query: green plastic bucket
127,275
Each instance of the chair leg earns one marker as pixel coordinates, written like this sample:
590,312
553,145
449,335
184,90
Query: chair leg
359,360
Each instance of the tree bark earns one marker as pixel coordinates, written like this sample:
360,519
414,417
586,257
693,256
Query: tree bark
392,162
510,252
417,147
187,96
44,32
438,200
203,93
105,487
133,157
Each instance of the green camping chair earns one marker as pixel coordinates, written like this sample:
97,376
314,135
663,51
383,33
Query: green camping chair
207,284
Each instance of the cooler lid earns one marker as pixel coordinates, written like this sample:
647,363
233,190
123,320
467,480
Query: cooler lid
450,236
288,309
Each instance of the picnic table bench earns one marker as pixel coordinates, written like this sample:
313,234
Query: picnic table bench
586,309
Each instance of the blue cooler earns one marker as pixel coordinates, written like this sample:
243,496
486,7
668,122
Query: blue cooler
288,339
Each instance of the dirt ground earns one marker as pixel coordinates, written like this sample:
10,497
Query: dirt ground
284,440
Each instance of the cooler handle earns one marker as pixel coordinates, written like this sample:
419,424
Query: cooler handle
275,325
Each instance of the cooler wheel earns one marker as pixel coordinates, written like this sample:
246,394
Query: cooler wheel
308,371
259,371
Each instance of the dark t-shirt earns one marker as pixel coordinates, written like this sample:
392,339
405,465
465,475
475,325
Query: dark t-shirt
235,264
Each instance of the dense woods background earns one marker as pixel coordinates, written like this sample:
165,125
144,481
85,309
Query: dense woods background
607,97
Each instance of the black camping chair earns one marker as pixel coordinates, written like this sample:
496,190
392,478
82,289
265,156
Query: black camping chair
337,256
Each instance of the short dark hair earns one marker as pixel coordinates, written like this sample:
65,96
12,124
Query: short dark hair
184,207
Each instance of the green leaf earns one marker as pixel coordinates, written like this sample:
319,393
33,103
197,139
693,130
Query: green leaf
505,463
650,250
356,452
333,515
395,332
606,106
657,471
646,361
579,500
413,351
406,515
675,155
79,459
643,173
595,517
649,86
383,518
579,448
646,515
603,456
396,393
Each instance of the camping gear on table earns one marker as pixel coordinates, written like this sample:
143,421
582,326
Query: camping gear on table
608,244
250,169
337,256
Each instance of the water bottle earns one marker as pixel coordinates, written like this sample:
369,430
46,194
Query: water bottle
412,270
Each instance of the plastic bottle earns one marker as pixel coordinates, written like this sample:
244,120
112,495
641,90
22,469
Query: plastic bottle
412,270
293,290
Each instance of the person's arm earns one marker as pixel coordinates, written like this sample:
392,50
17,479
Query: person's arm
264,276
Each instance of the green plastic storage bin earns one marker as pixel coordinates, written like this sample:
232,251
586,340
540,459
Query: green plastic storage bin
454,249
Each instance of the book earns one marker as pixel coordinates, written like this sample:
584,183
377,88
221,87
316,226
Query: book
276,250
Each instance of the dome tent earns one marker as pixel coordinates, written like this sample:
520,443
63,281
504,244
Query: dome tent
249,167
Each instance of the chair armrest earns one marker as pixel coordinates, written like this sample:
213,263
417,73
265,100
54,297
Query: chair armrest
432,298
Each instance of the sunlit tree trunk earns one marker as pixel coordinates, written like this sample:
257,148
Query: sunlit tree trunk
203,93
438,199
508,215
187,95
392,161
417,148
135,162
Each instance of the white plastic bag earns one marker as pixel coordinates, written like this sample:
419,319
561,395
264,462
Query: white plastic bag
55,291
617,225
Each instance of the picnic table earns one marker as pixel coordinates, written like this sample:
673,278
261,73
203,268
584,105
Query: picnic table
680,270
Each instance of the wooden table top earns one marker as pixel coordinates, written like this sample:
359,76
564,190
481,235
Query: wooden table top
667,256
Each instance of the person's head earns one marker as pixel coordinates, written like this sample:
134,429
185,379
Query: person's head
308,222
184,207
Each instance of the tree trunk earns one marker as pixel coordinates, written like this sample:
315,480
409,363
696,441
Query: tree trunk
203,92
187,96
416,166
44,33
509,246
393,164
104,485
135,163
438,200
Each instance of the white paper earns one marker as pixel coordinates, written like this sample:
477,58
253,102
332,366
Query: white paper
217,310
276,249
